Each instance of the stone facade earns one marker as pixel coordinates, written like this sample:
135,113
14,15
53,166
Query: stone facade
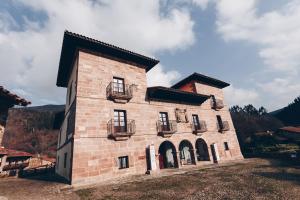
88,155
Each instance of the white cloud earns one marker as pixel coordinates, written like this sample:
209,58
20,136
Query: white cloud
202,3
284,90
240,96
275,32
30,55
199,3
159,77
281,87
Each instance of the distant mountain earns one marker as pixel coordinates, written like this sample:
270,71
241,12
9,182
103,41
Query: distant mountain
44,108
289,115
34,129
275,112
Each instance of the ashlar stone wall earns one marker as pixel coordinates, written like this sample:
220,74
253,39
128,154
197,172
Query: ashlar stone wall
95,157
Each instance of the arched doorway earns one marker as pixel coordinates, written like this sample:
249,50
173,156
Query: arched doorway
187,156
202,150
167,155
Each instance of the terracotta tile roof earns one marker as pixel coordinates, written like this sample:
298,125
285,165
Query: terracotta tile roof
72,42
15,99
160,93
202,79
13,153
291,129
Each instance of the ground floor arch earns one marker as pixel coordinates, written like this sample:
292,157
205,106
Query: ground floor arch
202,150
167,155
187,156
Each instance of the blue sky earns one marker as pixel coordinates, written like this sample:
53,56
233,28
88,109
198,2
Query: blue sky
252,44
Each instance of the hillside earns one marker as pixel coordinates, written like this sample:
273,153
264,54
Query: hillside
256,131
34,129
289,115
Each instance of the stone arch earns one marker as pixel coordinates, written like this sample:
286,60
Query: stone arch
167,155
202,150
187,155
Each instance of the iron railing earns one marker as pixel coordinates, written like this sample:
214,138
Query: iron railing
169,127
119,132
216,104
199,128
224,126
115,93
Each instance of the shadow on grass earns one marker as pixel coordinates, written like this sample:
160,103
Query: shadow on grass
47,176
280,176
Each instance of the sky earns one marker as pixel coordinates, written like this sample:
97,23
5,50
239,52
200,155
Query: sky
252,44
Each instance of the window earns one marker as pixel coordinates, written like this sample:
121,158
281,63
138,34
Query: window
59,139
71,122
226,146
220,123
213,98
118,85
120,124
65,160
164,119
57,163
123,162
70,92
196,122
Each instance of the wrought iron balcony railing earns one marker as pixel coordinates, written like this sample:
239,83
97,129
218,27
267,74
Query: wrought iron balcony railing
223,127
119,94
166,129
199,128
121,132
217,104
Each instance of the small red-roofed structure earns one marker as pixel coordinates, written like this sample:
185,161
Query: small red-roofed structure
8,100
10,160
13,160
290,132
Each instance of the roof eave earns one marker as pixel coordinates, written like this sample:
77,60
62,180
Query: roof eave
200,78
72,42
155,93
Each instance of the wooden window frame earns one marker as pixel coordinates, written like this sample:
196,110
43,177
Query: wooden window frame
220,122
119,120
118,85
65,159
226,146
57,164
164,119
195,118
120,162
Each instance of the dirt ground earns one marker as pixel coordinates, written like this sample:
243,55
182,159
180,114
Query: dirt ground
250,179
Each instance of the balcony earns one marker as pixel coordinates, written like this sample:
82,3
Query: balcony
217,104
200,128
119,95
119,133
166,130
223,127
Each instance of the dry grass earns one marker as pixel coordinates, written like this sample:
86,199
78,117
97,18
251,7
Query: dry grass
251,179
257,179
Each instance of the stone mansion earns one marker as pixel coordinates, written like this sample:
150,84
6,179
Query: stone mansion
116,126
